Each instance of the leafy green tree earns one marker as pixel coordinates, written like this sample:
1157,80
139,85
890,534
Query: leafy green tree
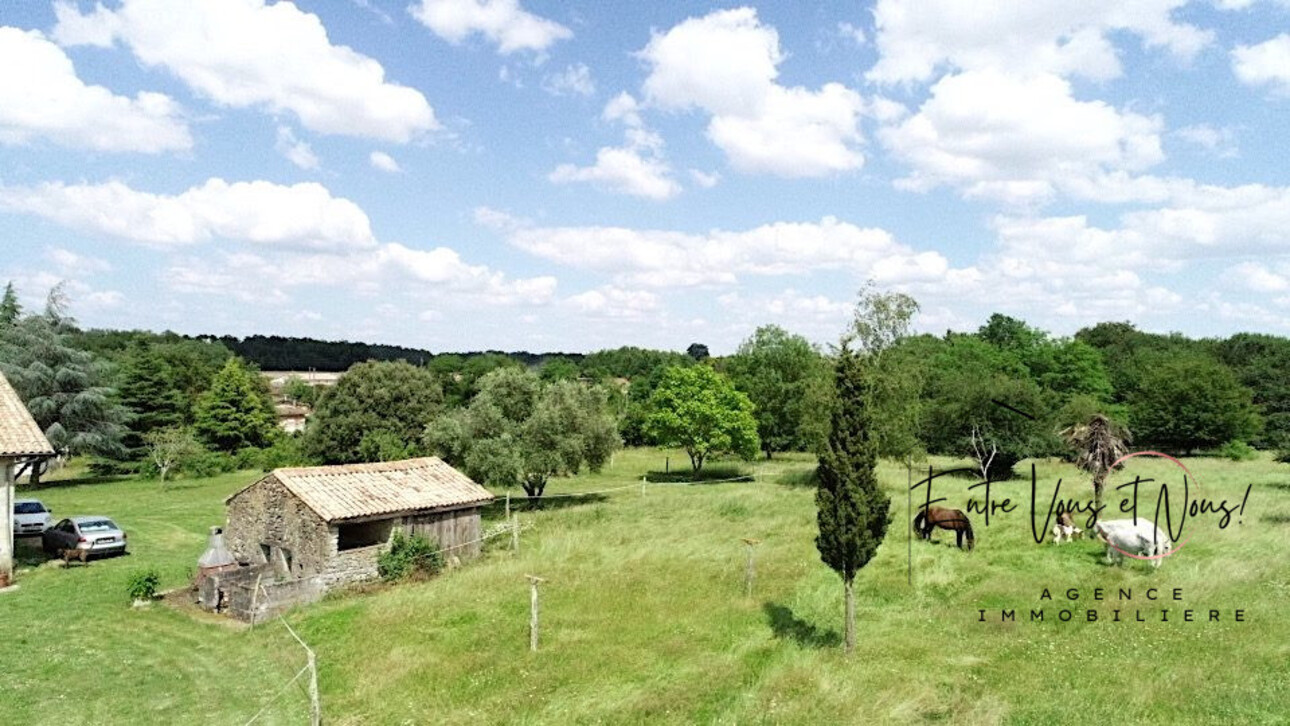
513,391
66,389
880,322
377,396
852,510
149,388
449,435
700,411
569,428
518,431
235,413
777,371
298,390
1190,402
384,445
1262,364
559,368
169,449
698,351
495,462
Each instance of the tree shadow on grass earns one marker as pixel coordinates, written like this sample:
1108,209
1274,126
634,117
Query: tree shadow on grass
1282,485
74,482
804,479
496,510
710,475
787,625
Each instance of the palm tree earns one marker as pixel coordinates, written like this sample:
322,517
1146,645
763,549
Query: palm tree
1097,444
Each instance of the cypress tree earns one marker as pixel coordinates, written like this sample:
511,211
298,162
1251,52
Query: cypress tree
10,310
853,512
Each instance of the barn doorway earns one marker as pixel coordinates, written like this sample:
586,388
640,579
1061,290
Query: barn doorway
363,534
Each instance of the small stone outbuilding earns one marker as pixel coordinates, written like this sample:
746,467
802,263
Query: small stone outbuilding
303,531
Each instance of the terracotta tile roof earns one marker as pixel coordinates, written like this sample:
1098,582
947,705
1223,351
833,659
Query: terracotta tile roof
19,434
366,490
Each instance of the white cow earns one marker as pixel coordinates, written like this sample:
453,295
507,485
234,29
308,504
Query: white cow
1135,536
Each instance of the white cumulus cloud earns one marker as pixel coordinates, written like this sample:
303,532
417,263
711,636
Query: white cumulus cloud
726,64
296,151
247,53
918,38
1018,139
301,215
41,97
504,22
636,168
573,80
1264,64
660,258
384,162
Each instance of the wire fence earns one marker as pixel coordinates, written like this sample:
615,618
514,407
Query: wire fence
512,528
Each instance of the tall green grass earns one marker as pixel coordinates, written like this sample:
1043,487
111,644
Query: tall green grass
644,619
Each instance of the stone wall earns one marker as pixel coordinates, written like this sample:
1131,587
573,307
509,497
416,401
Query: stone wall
253,594
267,516
351,566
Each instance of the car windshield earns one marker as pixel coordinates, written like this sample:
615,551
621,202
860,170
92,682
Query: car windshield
97,525
28,508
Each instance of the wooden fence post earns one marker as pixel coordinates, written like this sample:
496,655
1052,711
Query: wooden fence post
315,705
508,504
515,533
533,611
642,486
748,573
255,595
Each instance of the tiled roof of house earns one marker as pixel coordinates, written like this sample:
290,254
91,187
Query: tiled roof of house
366,490
19,434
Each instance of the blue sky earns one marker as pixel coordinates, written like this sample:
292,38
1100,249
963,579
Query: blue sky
468,174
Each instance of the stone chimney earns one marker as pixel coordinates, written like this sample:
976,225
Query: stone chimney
216,558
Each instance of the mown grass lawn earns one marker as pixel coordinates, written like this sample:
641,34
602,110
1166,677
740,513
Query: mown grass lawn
644,618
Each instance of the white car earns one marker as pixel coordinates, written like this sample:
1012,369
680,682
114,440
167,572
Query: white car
30,518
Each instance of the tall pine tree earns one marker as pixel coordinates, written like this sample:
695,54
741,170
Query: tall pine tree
853,512
65,388
149,387
9,307
236,412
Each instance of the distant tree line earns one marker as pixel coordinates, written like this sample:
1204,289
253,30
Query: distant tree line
164,403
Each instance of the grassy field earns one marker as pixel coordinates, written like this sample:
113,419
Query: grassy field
645,621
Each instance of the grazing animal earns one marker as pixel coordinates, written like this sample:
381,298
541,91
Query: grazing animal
75,554
1065,528
951,519
1134,536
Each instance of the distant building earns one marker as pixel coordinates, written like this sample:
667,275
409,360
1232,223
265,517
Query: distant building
292,418
278,379
301,531
21,440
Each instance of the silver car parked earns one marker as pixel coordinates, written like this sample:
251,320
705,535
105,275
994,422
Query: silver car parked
95,535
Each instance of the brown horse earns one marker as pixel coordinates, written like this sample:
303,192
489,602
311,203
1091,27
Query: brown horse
952,519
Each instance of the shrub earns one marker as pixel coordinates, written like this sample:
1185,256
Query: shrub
1237,451
210,463
143,585
409,555
1283,456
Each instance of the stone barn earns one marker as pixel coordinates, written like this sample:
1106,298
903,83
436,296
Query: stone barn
301,531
